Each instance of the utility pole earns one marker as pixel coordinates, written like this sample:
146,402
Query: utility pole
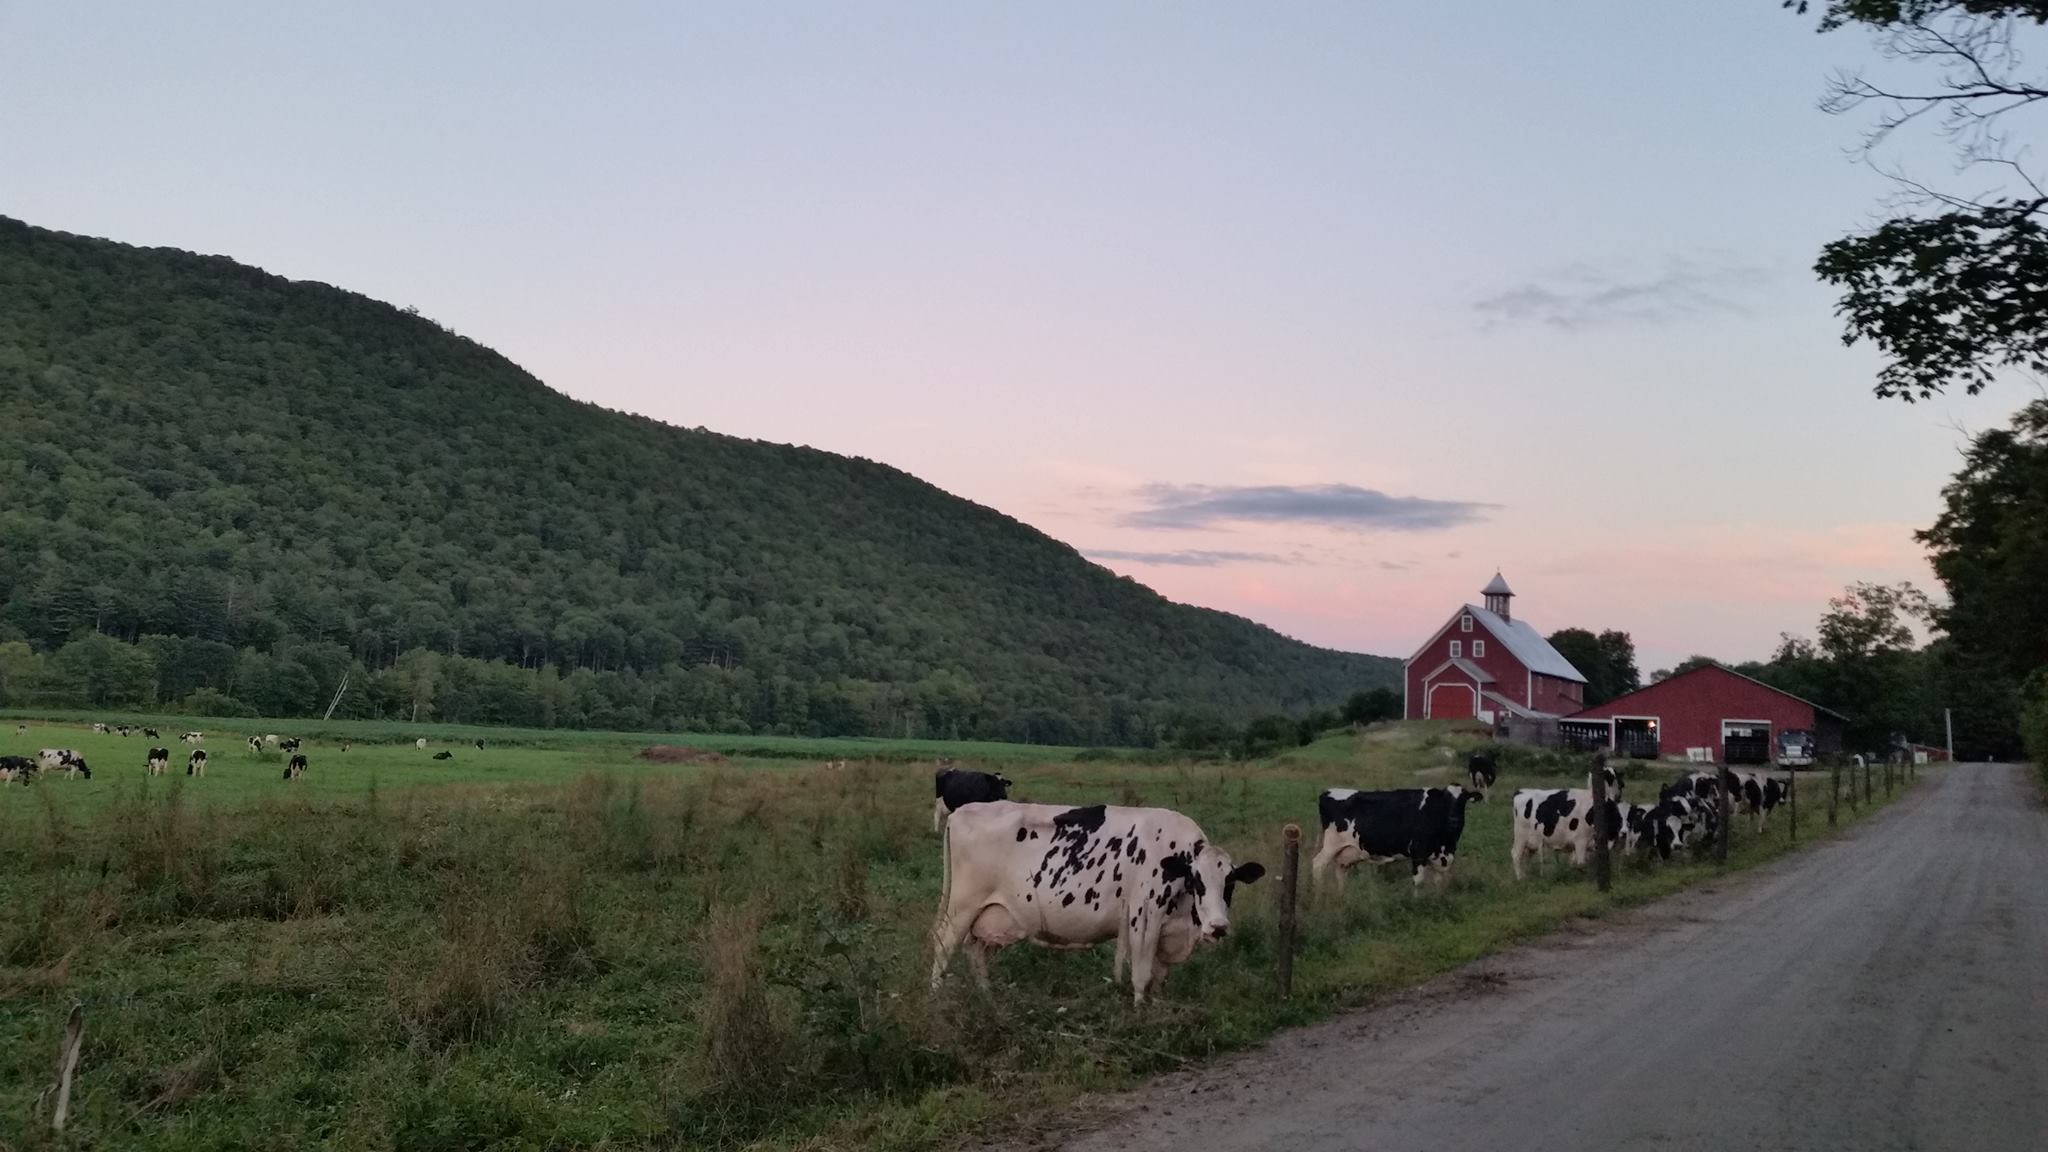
1948,721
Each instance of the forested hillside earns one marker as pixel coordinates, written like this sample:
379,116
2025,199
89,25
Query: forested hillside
223,483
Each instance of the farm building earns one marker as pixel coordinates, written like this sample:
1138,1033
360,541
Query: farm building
1704,713
1485,664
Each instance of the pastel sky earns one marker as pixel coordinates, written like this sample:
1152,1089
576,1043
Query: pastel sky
1317,313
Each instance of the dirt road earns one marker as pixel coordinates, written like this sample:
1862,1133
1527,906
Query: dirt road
1887,990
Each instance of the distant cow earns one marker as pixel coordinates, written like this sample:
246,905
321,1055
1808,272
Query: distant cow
952,787
159,759
444,755
270,737
151,733
255,745
295,768
290,745
195,765
1073,877
479,744
64,760
420,743
1558,820
99,727
346,745
1419,825
1482,771
21,729
192,738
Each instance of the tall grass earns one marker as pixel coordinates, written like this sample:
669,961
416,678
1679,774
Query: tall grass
719,958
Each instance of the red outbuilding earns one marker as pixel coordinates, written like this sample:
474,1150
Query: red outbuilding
1706,713
1484,663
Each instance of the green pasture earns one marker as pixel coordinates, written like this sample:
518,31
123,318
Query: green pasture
572,947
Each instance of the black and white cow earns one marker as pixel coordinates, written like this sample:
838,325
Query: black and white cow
17,768
21,729
295,768
151,733
1073,877
1482,771
195,764
1658,828
420,744
63,760
1419,825
1755,794
1612,783
289,745
1558,820
124,730
255,745
159,759
444,755
192,738
100,728
952,787
479,744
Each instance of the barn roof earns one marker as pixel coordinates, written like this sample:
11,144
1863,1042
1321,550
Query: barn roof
1479,675
1498,586
1527,644
1718,668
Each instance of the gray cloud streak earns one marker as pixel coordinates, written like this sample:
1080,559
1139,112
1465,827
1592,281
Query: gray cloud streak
1191,558
1330,505
1585,298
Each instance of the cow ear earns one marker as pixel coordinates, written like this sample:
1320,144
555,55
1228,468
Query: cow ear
1176,867
1248,872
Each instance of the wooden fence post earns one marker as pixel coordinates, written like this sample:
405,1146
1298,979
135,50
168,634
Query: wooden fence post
1834,789
1727,803
1290,872
67,1064
1866,780
1603,867
1792,791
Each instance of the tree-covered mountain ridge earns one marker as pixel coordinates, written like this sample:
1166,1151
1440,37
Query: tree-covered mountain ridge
223,482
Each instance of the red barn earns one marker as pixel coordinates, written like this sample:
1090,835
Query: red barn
1483,662
1706,713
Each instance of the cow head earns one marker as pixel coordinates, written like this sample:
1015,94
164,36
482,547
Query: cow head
1208,879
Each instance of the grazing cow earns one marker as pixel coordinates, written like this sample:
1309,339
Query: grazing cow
1073,877
1699,821
192,738
420,743
17,768
1755,794
195,765
1659,828
952,787
295,768
1419,825
1482,770
444,755
255,746
151,733
1559,820
290,745
125,730
54,759
346,745
1611,782
101,728
159,759
479,745
270,737
21,729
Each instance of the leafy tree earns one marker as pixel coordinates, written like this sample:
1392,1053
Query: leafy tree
1371,706
1607,661
1948,289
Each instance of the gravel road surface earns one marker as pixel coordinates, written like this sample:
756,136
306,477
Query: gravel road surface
1885,990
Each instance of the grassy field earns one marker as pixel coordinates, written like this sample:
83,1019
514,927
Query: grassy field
558,946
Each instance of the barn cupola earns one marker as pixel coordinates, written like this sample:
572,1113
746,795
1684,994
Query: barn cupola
1498,594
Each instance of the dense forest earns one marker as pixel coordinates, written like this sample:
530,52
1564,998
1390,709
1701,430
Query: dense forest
225,491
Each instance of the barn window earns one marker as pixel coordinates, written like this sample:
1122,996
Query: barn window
1465,622
1457,649
1478,649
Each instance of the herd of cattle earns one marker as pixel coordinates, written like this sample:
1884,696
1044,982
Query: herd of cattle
1151,880
52,761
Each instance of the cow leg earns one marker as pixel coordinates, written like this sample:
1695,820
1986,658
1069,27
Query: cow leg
1326,854
947,932
1415,877
977,961
1144,953
938,815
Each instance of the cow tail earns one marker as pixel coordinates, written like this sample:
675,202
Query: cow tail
945,883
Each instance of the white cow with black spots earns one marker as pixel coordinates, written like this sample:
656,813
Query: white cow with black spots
1074,877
